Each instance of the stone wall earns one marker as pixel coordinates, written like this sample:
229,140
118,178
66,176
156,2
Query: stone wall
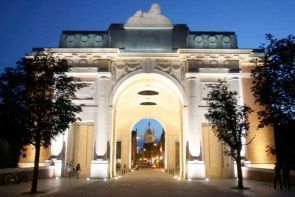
266,175
256,151
27,173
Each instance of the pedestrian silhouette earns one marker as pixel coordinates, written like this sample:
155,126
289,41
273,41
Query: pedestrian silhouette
70,169
78,170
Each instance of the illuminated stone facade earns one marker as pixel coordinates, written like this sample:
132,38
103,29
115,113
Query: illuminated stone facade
171,60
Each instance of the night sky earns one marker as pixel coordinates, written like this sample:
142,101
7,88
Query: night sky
25,24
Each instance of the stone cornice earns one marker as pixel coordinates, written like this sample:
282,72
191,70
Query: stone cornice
84,50
216,51
244,56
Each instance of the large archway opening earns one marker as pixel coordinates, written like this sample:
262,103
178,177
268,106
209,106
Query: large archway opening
148,95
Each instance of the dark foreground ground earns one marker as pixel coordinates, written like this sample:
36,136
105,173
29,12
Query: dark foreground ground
143,183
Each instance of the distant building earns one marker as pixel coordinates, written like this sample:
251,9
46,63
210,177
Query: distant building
149,142
149,135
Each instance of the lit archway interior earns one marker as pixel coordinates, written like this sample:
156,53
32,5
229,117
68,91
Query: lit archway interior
148,95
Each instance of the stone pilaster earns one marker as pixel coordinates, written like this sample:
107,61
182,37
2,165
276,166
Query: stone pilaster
195,163
100,164
194,124
102,116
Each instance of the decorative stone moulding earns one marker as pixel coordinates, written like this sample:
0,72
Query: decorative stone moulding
84,38
98,38
83,62
212,39
226,39
133,67
226,42
119,67
70,38
213,62
198,39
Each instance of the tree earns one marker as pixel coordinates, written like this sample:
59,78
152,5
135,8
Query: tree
274,89
229,122
12,113
40,88
274,82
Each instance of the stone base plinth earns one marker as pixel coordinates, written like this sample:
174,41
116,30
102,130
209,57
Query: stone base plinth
195,169
99,169
57,166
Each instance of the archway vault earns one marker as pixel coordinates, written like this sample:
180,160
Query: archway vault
149,95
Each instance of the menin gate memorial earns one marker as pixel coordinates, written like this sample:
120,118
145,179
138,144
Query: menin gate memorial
150,53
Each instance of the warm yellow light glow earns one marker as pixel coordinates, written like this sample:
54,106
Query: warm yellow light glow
168,98
128,111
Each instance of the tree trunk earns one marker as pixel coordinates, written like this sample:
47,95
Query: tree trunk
36,166
239,170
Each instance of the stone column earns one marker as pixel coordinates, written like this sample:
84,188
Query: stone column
195,163
194,130
57,146
99,166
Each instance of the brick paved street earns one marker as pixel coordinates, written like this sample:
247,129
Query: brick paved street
145,183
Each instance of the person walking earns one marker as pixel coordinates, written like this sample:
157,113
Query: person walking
78,170
70,169
278,176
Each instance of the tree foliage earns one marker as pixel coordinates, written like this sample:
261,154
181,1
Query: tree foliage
12,114
36,99
274,82
229,122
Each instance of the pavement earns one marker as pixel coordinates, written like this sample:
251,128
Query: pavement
145,182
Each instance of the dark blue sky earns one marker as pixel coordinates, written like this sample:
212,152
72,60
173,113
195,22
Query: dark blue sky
38,23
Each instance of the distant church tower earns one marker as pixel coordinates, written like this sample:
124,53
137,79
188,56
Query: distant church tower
149,135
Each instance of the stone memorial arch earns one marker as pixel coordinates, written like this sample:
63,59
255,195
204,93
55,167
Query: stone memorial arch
150,67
